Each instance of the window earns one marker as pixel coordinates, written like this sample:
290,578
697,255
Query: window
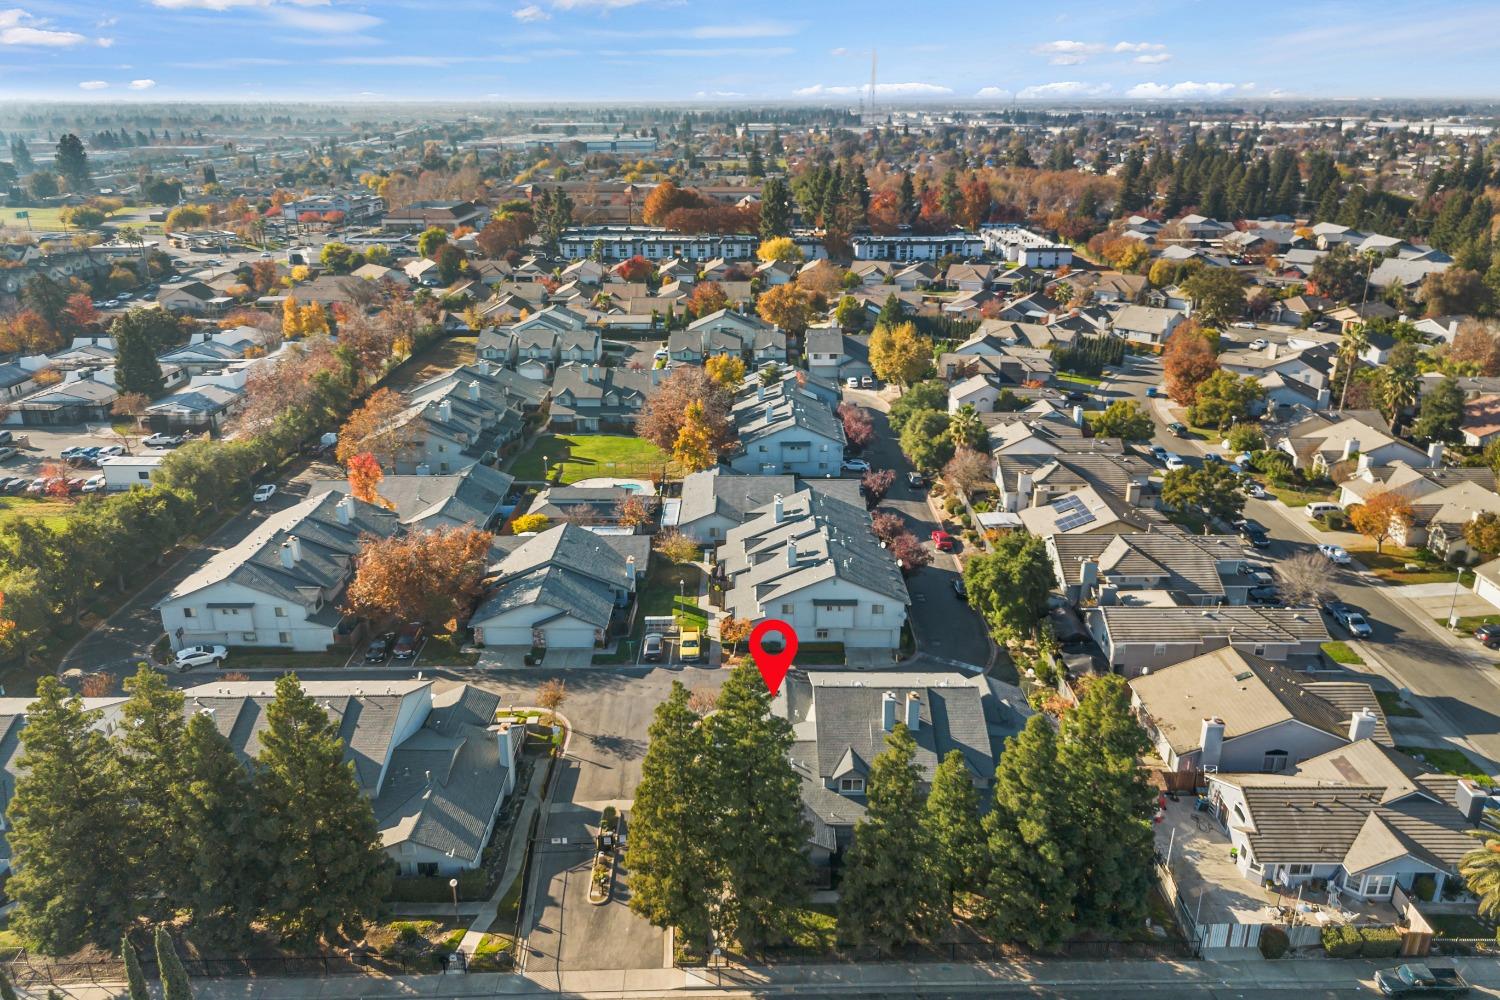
1275,762
1260,649
786,609
281,612
1161,649
187,612
821,633
762,447
247,636
1379,885
877,609
284,637
143,475
1299,869
851,784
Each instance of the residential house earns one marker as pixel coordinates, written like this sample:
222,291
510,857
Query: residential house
282,585
594,398
1290,376
189,297
833,354
590,506
725,332
1022,246
1136,567
1138,639
1481,421
969,277
914,246
76,401
1361,819
449,215
1146,324
812,561
1025,479
840,723
472,498
1319,441
202,407
1088,510
560,589
784,428
1229,710
715,500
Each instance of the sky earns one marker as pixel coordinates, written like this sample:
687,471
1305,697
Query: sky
770,50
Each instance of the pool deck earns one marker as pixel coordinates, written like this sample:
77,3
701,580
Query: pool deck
642,486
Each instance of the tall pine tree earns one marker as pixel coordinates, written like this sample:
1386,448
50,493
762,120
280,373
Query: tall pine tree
889,896
150,748
137,370
174,978
217,810
72,882
1111,807
759,832
775,209
322,866
135,979
953,821
1028,887
673,878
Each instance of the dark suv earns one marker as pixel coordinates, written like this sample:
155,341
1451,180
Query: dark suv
408,642
1489,635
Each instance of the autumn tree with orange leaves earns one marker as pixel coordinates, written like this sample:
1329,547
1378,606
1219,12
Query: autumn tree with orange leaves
1188,362
365,477
1381,516
374,428
428,576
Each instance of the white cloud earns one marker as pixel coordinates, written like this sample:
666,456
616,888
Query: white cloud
993,93
18,27
93,85
1064,89
104,43
1186,89
142,84
838,53
1067,53
881,90
1154,58
530,13
1139,47
328,22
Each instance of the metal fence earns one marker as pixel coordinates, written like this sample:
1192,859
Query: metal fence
971,951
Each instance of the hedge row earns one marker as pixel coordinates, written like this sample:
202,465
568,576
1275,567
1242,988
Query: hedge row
1348,941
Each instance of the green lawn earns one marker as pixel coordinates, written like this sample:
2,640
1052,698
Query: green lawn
815,927
584,456
50,511
443,650
1340,652
1388,565
50,219
669,589
1077,379
1392,705
1447,760
1468,623
241,658
1460,925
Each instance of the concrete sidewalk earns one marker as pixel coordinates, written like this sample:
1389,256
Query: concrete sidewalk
827,980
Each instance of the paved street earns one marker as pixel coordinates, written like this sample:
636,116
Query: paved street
944,625
1454,684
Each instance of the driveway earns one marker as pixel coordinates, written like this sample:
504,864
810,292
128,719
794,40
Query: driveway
945,627
611,712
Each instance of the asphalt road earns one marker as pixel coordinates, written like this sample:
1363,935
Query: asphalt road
945,626
1456,688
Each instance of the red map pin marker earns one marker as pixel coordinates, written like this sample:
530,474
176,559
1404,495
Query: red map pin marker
773,664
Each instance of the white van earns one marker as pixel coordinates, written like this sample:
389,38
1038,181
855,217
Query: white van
1315,510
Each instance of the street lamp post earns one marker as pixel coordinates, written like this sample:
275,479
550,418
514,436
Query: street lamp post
453,885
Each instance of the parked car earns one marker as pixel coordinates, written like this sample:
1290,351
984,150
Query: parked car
916,480
1321,508
1159,453
1354,622
960,590
690,645
189,657
1178,429
942,541
1264,595
1153,392
1421,981
1174,462
408,642
379,649
68,454
1213,458
1335,554
1255,534
852,382
1489,635
162,440
1076,396
1245,325
94,484
856,465
1259,344
263,492
109,451
7,453
866,382
651,647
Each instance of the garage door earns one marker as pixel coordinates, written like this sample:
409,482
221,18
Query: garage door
1487,590
495,635
569,636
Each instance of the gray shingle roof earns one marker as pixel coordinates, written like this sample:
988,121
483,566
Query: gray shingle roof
468,497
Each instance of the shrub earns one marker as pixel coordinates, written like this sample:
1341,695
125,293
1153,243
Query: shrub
1380,942
953,506
1341,941
1273,942
410,948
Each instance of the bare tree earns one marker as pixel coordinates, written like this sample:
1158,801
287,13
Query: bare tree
703,700
1306,578
550,694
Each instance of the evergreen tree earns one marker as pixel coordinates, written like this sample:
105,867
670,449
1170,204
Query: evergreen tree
673,879
892,312
889,896
759,832
1028,886
49,298
1110,805
137,369
72,162
20,155
72,882
135,979
150,748
775,209
953,822
217,811
174,979
322,864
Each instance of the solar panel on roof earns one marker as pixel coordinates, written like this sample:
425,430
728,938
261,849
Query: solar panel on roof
1067,504
1075,520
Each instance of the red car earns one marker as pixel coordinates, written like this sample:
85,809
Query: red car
942,541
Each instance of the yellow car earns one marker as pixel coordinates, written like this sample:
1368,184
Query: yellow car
691,646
